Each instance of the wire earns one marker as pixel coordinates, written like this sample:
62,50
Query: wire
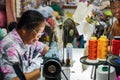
110,34
64,75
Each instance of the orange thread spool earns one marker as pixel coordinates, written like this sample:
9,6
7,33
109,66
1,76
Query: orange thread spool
102,48
92,48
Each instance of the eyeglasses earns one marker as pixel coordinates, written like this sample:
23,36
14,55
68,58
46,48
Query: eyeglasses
38,33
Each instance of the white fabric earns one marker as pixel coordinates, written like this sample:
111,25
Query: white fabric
82,11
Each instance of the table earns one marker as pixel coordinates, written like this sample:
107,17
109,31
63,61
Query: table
76,69
83,60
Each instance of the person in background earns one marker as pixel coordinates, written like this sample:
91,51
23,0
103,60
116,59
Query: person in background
21,46
3,20
115,8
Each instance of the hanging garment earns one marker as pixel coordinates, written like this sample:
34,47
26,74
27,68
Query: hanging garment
10,11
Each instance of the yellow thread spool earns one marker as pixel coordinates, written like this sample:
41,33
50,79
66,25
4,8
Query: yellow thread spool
102,48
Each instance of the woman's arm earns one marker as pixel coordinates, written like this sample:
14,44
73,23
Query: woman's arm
45,50
34,75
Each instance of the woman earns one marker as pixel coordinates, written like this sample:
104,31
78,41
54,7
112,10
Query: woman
115,8
21,46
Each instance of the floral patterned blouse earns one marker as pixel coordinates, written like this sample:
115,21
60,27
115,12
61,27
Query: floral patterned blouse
12,49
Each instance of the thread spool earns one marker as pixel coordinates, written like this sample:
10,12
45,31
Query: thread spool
102,48
92,50
102,73
69,56
116,46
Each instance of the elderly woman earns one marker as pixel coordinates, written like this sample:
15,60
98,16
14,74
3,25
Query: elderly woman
21,46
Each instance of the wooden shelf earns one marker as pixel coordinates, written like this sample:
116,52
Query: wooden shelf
69,6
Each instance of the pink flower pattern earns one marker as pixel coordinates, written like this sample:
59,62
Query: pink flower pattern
11,52
38,45
16,35
5,70
0,45
14,45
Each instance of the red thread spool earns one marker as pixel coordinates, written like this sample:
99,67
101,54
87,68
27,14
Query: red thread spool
92,49
116,47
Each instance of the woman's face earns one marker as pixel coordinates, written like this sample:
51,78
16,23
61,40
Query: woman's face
115,7
32,36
